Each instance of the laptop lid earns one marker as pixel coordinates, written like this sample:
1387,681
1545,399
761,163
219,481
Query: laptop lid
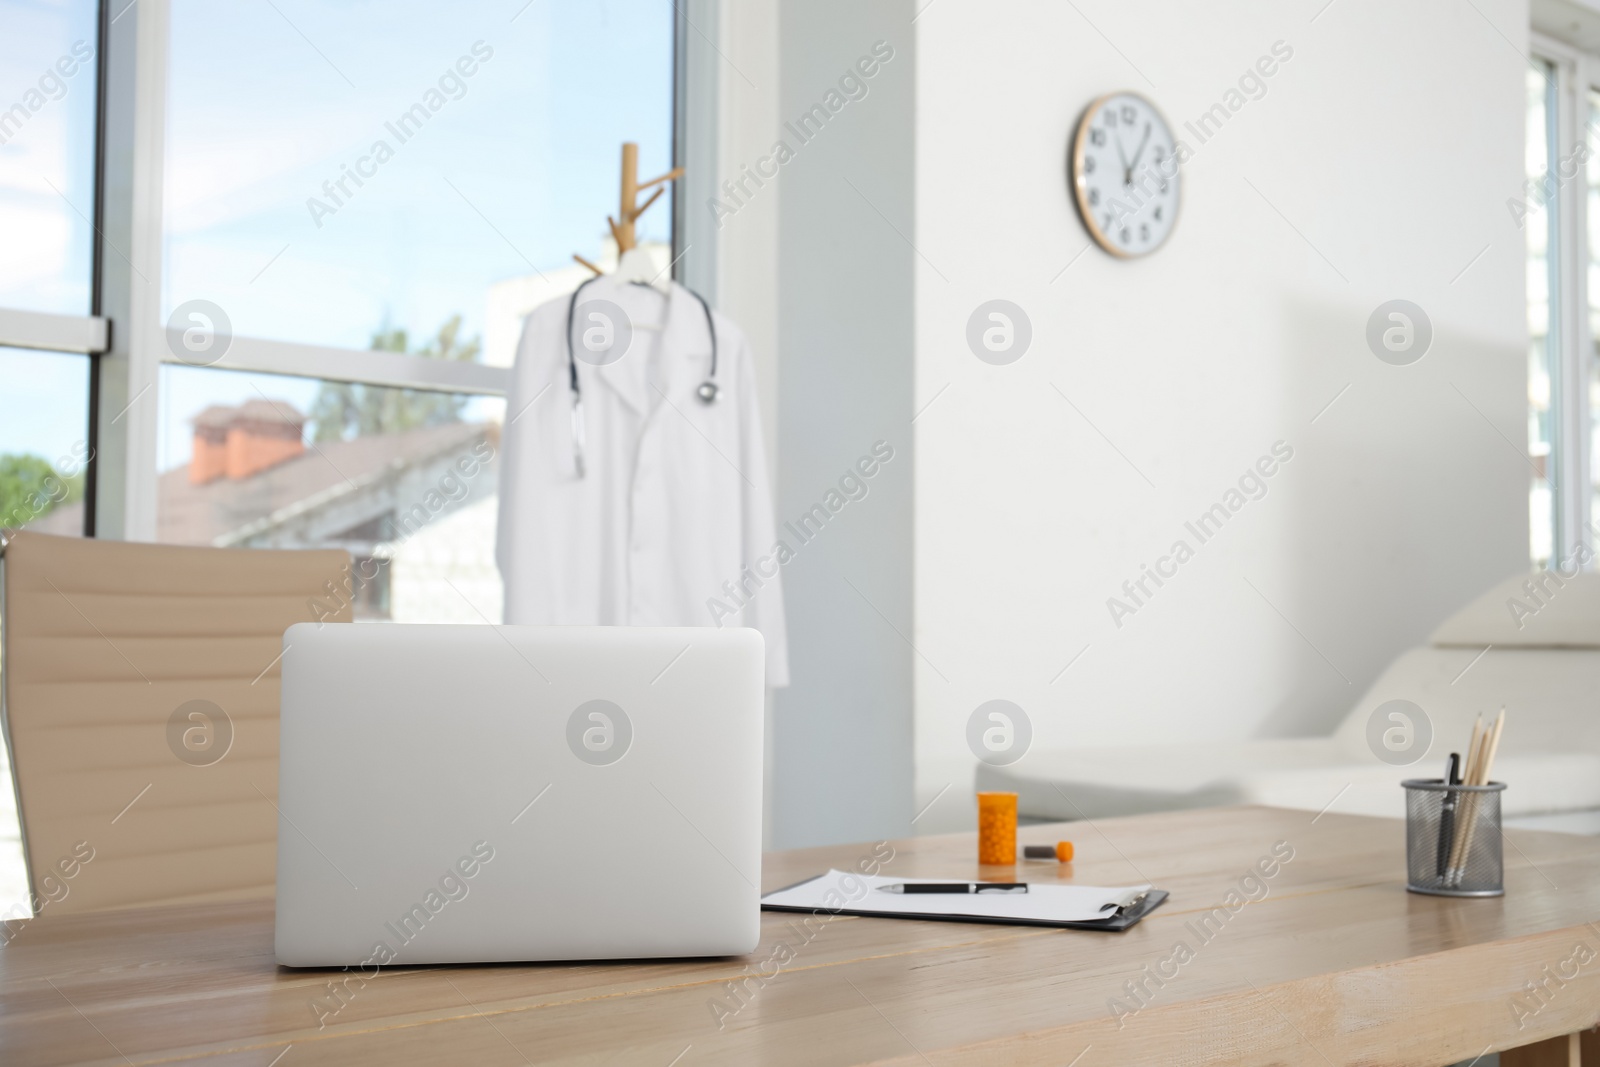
457,794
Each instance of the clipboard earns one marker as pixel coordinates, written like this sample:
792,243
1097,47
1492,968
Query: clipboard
902,909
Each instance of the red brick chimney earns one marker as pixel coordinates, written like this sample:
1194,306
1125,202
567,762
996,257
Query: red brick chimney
209,460
242,442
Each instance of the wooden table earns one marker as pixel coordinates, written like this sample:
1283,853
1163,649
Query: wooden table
1332,962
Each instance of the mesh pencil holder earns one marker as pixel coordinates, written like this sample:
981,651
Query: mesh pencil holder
1453,839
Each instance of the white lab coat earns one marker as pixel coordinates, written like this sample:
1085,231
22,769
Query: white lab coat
674,515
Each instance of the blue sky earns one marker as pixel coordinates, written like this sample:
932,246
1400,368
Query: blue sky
515,171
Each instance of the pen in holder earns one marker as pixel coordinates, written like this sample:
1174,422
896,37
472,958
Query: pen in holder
1453,838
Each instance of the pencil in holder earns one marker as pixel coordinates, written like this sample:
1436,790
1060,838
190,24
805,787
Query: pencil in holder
1453,838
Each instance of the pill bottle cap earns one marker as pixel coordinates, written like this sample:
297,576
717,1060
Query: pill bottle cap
1061,852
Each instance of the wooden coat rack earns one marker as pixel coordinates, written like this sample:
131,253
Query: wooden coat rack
629,209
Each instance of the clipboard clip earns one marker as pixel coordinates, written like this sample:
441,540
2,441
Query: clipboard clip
1116,909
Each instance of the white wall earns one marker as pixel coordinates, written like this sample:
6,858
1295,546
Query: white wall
1383,151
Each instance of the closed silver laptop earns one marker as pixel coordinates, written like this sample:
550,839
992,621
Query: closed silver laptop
458,794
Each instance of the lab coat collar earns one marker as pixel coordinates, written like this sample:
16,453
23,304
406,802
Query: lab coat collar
684,347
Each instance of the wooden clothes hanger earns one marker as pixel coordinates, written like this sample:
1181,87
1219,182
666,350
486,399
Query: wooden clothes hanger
633,263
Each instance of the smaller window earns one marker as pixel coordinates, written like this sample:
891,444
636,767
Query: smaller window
405,481
44,441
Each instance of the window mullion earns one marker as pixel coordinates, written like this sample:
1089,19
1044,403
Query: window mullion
57,333
1568,402
363,366
134,40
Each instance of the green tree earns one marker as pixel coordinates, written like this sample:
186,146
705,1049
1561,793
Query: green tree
30,487
342,409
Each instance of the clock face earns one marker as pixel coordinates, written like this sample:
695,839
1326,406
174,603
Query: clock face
1125,174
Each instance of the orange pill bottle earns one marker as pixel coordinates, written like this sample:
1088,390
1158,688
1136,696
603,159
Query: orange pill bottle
997,828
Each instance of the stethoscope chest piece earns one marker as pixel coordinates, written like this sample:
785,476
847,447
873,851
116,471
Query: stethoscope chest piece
708,392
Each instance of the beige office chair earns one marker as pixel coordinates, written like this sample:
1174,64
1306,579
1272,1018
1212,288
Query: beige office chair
139,689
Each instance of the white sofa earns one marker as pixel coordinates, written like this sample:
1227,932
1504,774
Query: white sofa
1543,667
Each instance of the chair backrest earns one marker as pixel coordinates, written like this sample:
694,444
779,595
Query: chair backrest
140,695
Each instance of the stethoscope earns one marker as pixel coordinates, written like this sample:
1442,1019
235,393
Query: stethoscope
707,391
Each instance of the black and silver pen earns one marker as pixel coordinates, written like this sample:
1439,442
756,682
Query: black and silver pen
1447,812
955,887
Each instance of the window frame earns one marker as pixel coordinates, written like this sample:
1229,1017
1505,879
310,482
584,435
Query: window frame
124,337
1568,470
86,335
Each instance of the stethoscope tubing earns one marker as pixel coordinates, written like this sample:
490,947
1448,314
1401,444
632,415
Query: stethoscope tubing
707,392
572,356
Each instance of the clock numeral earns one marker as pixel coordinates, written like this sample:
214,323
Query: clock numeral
1127,115
1126,236
1088,164
1094,198
1157,213
1144,232
1097,137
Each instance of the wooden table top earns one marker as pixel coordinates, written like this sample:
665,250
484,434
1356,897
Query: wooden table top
1327,960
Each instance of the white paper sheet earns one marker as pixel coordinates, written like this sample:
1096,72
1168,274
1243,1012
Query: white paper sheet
846,891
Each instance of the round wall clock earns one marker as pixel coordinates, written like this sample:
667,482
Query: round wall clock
1124,171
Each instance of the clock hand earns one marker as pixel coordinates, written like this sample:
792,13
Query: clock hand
1139,153
1127,171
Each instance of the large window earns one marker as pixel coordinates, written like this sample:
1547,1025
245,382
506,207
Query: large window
1561,225
409,180
283,271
